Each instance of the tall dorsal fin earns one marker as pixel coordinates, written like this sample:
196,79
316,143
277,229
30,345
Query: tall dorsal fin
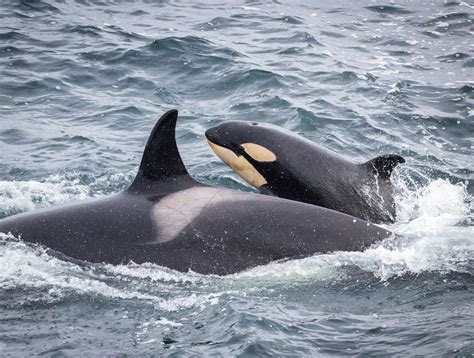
161,160
384,164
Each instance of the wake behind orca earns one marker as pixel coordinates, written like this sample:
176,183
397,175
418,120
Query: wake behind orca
281,163
167,218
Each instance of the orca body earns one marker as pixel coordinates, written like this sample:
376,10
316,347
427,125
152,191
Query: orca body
289,166
169,219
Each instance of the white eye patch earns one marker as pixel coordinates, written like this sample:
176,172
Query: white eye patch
258,152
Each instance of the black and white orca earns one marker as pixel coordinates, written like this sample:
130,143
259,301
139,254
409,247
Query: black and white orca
167,218
286,165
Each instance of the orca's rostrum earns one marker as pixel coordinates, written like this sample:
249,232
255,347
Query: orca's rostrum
167,218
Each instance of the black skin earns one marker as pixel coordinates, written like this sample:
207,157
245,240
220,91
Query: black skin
309,173
244,230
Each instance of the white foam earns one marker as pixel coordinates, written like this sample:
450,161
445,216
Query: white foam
427,209
18,196
250,8
26,267
436,235
434,222
187,301
449,252
320,268
155,273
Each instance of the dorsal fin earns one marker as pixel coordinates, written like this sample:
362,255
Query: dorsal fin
161,160
384,164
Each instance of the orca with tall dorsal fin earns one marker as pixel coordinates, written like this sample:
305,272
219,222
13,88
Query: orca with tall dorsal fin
289,166
167,218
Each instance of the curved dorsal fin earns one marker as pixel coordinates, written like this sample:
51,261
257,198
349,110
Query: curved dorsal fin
161,160
383,165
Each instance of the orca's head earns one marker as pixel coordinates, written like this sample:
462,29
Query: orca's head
252,150
284,164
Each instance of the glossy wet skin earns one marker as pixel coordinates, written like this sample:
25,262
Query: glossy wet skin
298,169
251,146
169,219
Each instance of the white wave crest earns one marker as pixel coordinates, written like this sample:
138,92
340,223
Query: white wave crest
435,235
450,252
18,196
430,208
434,228
29,267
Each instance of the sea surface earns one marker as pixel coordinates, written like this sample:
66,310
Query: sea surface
83,82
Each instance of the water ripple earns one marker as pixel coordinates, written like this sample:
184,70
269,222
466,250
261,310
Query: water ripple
83,82
388,9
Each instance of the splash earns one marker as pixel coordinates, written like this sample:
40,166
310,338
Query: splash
444,254
35,276
434,235
440,204
25,267
19,196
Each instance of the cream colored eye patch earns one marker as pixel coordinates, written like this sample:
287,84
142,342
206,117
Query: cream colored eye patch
258,152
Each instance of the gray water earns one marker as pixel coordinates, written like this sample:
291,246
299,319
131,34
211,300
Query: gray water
82,84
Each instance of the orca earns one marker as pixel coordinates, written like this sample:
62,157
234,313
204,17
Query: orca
167,218
281,163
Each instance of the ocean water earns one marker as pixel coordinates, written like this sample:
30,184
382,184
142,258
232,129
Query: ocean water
83,82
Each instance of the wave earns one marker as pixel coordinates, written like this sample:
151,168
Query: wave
469,63
19,196
443,20
166,51
298,37
294,20
218,23
87,30
454,57
434,235
8,51
37,6
388,9
31,89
